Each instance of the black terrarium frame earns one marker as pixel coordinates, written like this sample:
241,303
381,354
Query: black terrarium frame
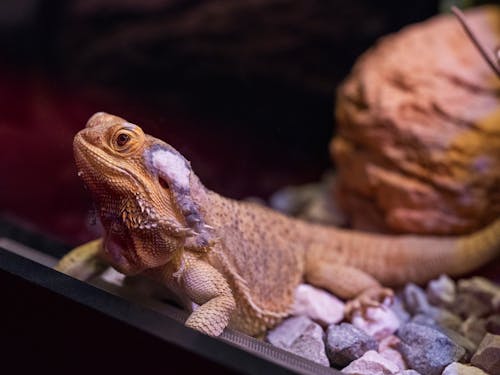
51,319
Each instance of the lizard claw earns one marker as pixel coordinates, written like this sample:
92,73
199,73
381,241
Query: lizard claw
373,297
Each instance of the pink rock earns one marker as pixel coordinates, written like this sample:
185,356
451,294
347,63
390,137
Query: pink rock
395,357
387,350
389,342
378,322
318,305
371,363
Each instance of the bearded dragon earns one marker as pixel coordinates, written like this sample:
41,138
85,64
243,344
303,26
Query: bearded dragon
239,261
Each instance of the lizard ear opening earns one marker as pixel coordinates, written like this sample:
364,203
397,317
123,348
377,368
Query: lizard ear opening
163,183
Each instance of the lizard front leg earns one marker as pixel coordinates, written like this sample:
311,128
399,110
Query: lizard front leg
206,286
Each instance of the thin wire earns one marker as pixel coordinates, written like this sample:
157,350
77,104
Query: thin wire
482,50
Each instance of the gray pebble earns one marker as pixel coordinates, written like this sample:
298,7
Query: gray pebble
481,287
409,372
345,343
467,304
301,336
398,308
444,318
462,341
415,299
426,349
487,356
438,317
442,291
493,324
474,329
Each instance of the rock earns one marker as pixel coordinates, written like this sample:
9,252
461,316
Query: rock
444,318
398,309
371,363
292,200
493,324
418,140
456,337
318,305
474,329
415,299
345,343
378,322
386,349
487,356
456,368
438,318
480,287
301,336
311,202
441,291
409,372
462,341
468,304
426,349
424,320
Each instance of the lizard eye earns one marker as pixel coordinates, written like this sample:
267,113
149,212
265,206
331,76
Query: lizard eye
122,139
126,139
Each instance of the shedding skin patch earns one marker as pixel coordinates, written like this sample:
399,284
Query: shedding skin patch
173,168
174,165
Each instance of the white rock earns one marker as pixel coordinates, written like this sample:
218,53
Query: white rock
319,305
300,336
456,368
371,363
441,291
378,322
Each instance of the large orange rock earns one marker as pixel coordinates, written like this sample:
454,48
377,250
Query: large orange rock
418,142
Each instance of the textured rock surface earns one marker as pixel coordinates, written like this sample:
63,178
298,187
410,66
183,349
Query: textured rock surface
415,299
418,144
456,368
493,324
371,363
474,329
301,336
320,306
480,287
426,349
345,343
487,356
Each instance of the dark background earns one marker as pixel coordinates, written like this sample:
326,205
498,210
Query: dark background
244,89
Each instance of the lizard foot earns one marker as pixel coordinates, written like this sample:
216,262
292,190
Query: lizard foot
372,297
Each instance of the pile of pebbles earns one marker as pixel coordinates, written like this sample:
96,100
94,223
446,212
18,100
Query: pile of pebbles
449,328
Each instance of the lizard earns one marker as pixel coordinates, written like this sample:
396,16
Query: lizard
239,261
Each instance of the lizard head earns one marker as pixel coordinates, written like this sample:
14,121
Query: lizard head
142,188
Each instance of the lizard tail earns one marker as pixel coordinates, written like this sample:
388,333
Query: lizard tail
395,260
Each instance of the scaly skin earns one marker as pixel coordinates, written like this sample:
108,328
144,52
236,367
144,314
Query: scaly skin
239,261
